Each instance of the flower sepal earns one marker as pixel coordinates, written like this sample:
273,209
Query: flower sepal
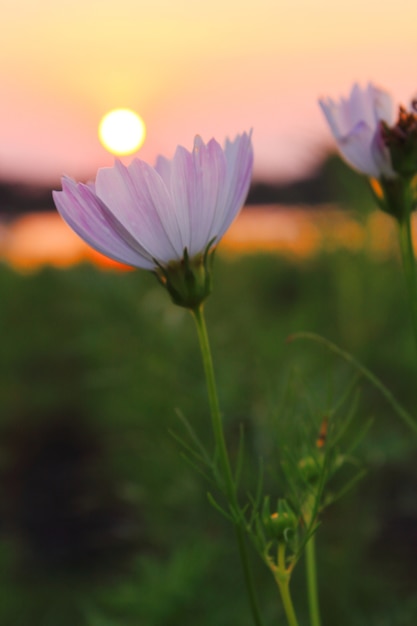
394,196
188,281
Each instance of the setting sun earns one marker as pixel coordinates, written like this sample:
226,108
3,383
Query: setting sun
122,131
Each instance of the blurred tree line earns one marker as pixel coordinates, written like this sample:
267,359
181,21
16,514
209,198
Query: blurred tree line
332,182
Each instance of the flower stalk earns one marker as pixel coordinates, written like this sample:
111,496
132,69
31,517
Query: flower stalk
409,265
312,588
310,515
282,575
229,483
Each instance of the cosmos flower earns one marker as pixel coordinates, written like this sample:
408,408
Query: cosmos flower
165,219
356,124
146,217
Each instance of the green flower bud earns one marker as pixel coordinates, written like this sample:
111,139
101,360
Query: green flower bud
282,523
309,469
188,281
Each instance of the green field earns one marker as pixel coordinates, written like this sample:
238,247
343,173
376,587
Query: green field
94,366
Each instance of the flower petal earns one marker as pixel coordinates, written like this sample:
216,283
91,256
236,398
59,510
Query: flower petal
139,199
239,163
89,218
381,156
360,107
355,124
383,105
197,182
356,149
339,115
163,167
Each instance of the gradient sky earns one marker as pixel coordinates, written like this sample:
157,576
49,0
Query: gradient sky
214,67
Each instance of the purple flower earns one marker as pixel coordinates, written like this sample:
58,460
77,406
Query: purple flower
356,124
154,218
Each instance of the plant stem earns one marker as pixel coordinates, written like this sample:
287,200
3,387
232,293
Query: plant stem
311,571
409,264
284,588
282,576
229,483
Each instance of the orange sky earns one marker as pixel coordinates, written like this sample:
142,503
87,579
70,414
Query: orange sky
213,67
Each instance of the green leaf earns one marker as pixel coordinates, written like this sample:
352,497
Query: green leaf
219,508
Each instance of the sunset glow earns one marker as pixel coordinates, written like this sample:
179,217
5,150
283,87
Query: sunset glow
122,131
34,241
263,65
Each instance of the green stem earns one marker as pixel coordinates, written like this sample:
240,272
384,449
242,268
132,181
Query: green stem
409,264
282,577
229,483
312,590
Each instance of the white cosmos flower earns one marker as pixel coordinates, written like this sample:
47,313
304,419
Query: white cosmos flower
356,126
148,217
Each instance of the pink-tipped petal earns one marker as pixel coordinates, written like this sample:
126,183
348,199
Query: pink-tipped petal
197,181
164,167
334,117
138,198
239,163
359,108
356,126
356,149
383,108
89,218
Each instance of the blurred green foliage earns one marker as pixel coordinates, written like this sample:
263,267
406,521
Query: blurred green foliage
110,352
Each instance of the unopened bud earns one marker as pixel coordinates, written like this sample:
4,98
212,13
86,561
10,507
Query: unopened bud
401,141
309,469
281,524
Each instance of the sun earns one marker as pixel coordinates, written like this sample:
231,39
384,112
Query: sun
122,131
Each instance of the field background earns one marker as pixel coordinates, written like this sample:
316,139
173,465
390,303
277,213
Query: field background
103,522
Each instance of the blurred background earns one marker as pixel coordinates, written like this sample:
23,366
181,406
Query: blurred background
213,68
102,522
